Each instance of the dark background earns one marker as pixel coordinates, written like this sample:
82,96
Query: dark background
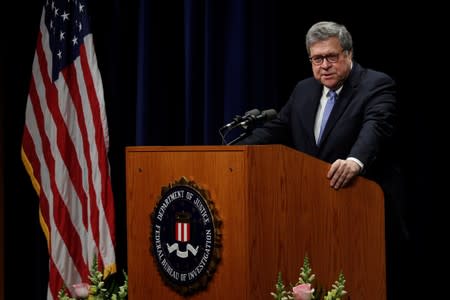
174,72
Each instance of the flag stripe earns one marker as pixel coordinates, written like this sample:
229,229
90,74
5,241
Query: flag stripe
55,280
106,222
94,205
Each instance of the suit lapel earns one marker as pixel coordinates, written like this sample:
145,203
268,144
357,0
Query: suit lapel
343,100
308,111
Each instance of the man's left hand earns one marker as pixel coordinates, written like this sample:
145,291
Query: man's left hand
342,172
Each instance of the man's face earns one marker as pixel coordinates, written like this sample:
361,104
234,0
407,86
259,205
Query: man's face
330,64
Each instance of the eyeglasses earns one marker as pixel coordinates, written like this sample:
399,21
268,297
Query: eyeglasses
318,59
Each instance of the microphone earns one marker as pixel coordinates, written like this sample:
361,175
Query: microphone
238,119
265,115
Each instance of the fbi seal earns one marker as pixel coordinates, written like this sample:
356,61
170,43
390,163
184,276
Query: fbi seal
186,239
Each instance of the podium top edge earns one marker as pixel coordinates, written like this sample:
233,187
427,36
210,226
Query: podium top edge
197,148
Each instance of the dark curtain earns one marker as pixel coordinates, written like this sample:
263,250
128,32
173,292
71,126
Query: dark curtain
174,72
199,64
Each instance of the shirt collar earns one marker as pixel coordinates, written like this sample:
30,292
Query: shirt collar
325,90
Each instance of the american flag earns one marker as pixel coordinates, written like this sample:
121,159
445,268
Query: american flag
65,145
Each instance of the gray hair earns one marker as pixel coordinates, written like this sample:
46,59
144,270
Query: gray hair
322,31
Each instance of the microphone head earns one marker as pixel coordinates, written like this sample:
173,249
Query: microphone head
249,121
249,115
254,112
269,114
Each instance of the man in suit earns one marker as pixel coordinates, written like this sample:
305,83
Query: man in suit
355,134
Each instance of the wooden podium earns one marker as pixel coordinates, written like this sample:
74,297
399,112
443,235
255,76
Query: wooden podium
276,205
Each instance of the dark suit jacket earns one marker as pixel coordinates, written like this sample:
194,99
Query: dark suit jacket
362,124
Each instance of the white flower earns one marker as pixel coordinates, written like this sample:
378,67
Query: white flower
81,290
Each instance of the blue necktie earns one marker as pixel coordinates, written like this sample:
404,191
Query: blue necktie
326,112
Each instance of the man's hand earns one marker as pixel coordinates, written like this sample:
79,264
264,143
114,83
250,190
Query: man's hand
342,172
